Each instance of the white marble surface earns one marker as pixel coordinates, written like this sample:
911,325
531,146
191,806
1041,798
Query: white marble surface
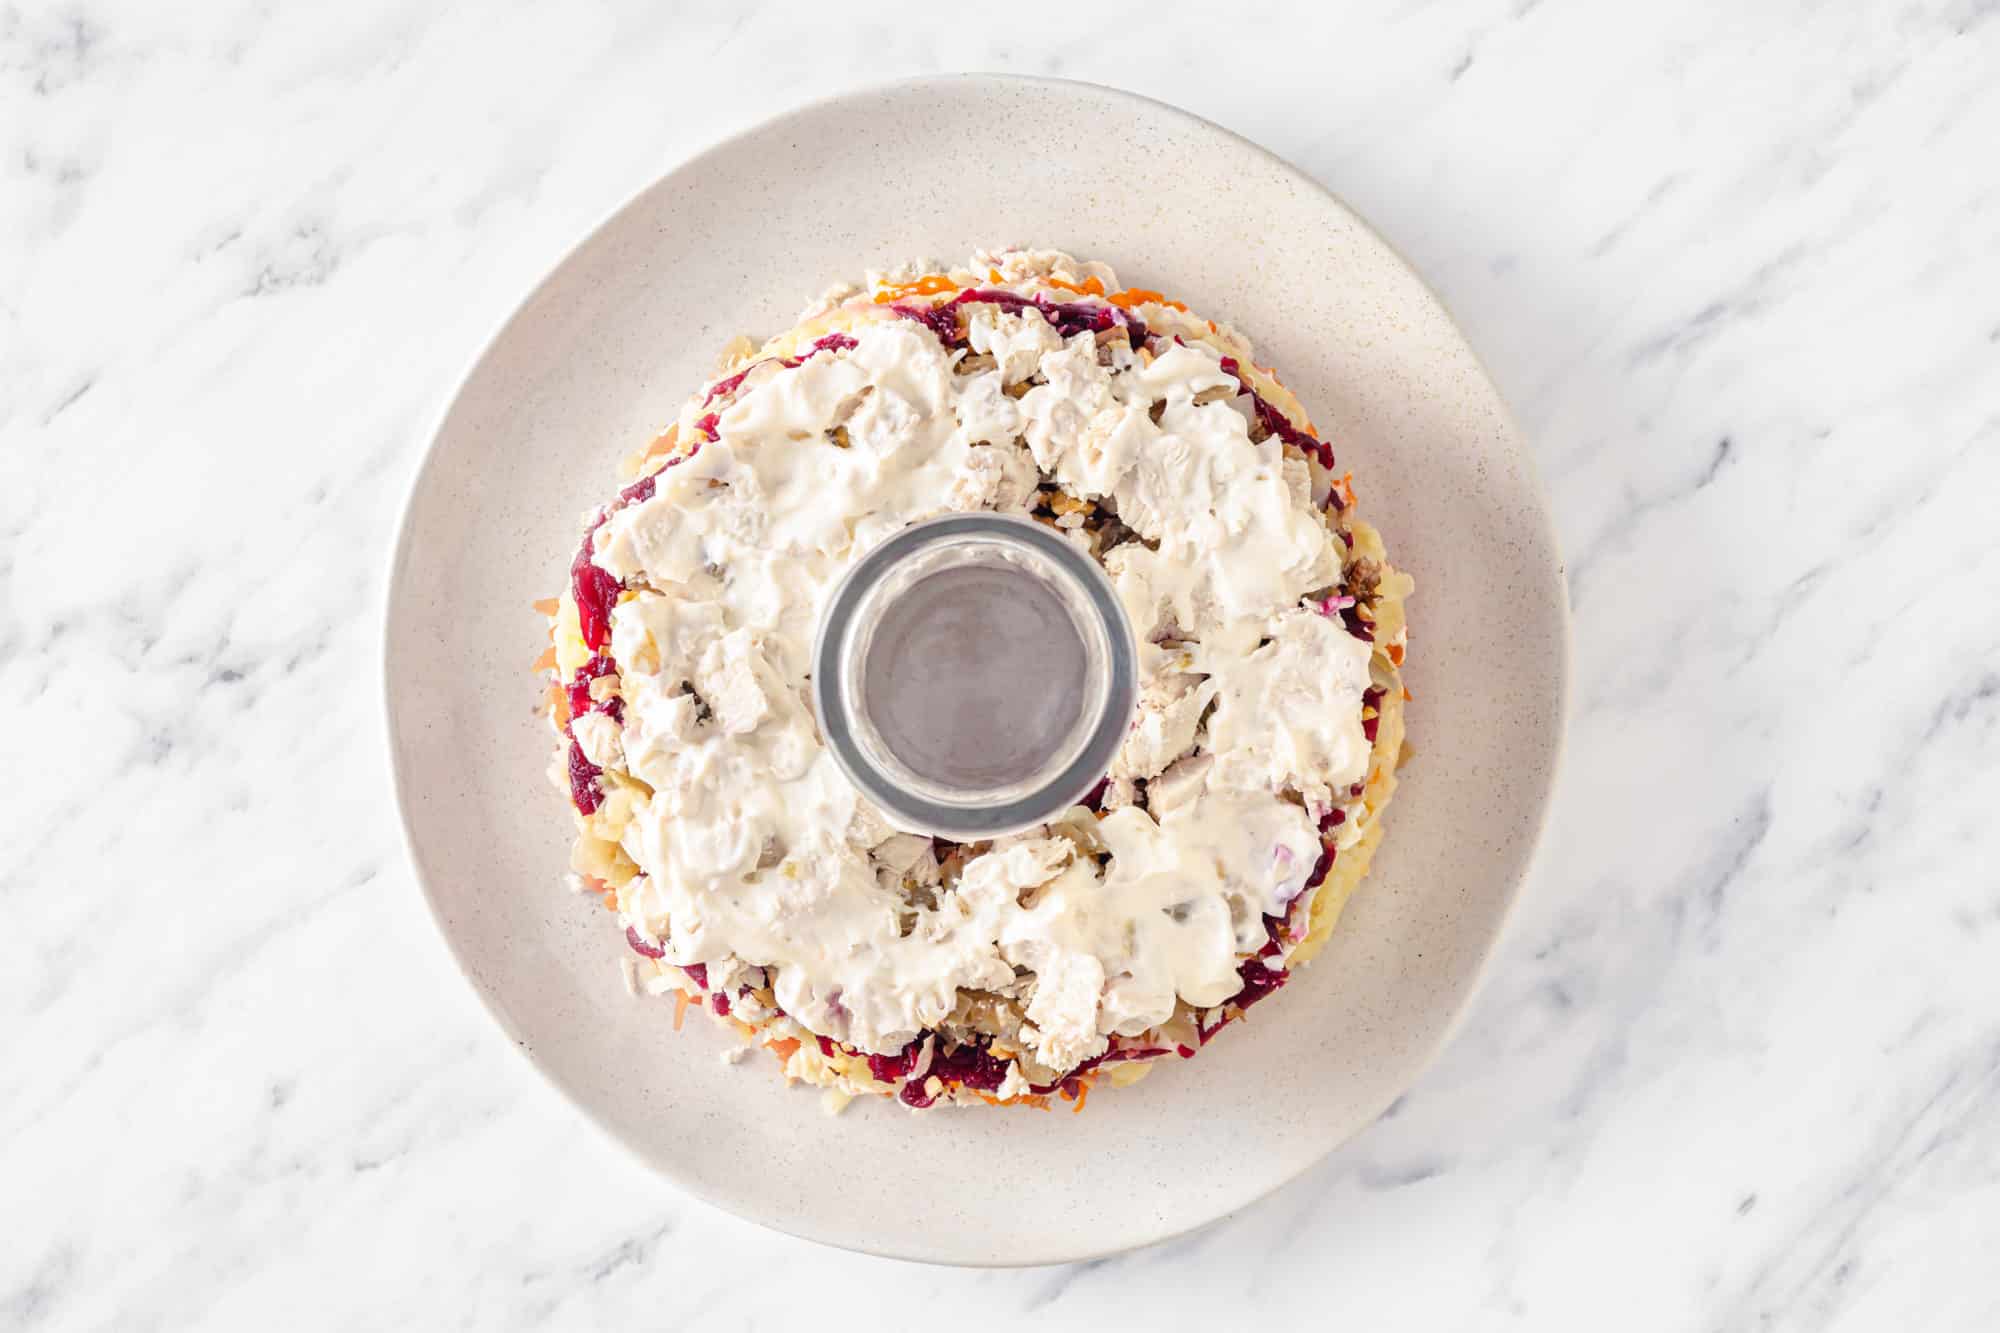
1737,266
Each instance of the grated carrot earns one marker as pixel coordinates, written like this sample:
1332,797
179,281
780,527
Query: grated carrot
931,284
1212,328
610,900
1025,1099
783,1048
664,442
1090,287
1407,696
548,606
680,1008
547,659
1396,656
1132,296
1082,1096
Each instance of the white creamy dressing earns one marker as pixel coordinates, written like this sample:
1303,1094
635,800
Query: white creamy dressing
753,848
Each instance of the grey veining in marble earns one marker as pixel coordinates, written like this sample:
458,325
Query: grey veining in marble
1737,1065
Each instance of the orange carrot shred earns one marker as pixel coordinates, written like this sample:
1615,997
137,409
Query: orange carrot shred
1396,655
1407,696
664,442
783,1049
931,284
548,606
680,1008
547,659
610,900
1089,287
1082,1096
1132,296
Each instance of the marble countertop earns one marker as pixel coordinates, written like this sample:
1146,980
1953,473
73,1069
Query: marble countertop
1736,266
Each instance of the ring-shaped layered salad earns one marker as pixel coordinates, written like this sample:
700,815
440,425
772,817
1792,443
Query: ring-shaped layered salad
747,875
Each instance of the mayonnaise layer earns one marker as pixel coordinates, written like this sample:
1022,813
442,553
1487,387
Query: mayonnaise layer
753,849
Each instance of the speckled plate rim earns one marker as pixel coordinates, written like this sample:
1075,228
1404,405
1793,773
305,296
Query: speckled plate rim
1557,683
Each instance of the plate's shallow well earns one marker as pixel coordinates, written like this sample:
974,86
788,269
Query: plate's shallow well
736,241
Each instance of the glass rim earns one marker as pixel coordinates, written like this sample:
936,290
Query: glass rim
1077,768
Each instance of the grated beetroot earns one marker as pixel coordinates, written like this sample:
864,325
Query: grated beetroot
1320,867
826,1046
580,701
1107,1058
971,1067
1066,317
1275,421
640,945
594,589
698,974
895,1068
941,320
596,592
832,342
584,790
721,1003
730,385
1274,930
1094,798
1359,628
1258,981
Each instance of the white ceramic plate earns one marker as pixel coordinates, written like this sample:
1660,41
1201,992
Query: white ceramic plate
736,241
